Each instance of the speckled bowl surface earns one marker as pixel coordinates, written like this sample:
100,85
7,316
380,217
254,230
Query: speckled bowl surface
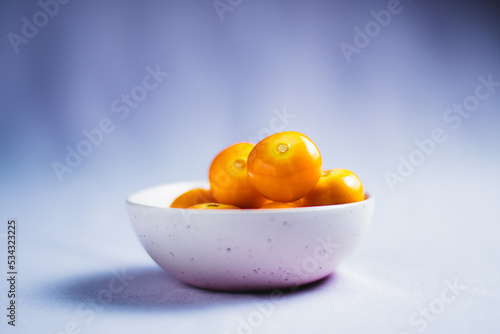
239,250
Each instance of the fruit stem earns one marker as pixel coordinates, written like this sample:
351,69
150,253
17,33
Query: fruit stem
327,172
239,164
282,147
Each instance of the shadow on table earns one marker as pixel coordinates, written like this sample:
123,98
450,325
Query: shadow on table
153,288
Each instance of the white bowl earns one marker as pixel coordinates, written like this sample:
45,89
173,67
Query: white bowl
238,250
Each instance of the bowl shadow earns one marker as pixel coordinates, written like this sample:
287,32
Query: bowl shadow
151,288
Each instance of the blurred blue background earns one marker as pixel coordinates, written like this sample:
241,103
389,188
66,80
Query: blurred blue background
237,72
227,76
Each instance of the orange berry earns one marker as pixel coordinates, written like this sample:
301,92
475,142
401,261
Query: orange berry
285,166
213,206
229,181
277,205
336,186
193,197
298,203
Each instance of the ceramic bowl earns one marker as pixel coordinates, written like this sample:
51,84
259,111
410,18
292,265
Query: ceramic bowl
241,250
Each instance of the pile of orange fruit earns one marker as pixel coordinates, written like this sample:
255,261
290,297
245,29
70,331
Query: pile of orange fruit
284,170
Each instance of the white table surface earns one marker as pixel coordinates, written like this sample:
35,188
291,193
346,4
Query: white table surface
423,239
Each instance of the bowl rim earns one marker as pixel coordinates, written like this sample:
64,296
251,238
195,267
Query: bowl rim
369,199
